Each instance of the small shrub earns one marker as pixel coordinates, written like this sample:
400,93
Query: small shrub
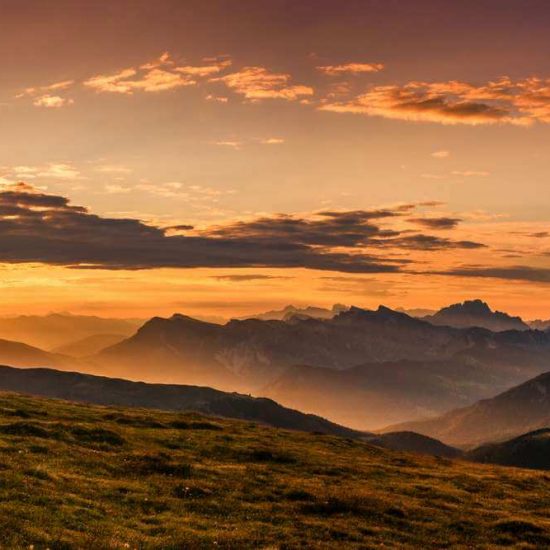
517,527
38,473
25,429
197,425
205,426
38,449
99,436
396,512
183,491
159,464
265,455
139,422
299,494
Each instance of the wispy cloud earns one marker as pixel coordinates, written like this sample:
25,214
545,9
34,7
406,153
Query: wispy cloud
256,83
40,90
50,170
471,173
238,144
350,68
512,273
245,278
52,101
441,154
443,222
157,76
272,141
48,95
503,101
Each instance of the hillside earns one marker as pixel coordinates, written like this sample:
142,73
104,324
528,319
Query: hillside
23,355
517,411
414,443
374,395
476,313
531,450
126,478
109,391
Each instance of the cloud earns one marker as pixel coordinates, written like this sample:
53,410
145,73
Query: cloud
217,98
157,76
351,229
127,81
436,223
38,227
231,143
272,141
350,68
421,102
502,101
514,273
52,101
51,170
441,154
59,170
471,173
238,144
258,83
247,277
43,96
327,228
40,90
428,243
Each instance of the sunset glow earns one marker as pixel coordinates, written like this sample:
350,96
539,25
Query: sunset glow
219,159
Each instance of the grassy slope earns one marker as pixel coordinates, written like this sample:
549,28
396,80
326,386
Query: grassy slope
77,476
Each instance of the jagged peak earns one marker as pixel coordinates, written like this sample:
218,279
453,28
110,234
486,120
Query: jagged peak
475,306
382,312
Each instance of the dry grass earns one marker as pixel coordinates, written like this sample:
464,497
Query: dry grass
75,476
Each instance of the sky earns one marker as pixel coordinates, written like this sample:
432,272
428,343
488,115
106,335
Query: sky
220,158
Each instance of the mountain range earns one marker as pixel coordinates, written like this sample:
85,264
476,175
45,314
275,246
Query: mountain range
361,368
402,368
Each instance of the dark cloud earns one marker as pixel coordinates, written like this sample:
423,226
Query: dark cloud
328,228
247,277
426,242
182,227
514,273
436,223
36,227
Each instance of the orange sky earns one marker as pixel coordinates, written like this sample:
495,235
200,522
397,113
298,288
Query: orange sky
262,153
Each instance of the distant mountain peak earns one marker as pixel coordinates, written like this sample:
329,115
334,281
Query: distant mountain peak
477,307
381,314
290,311
476,313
